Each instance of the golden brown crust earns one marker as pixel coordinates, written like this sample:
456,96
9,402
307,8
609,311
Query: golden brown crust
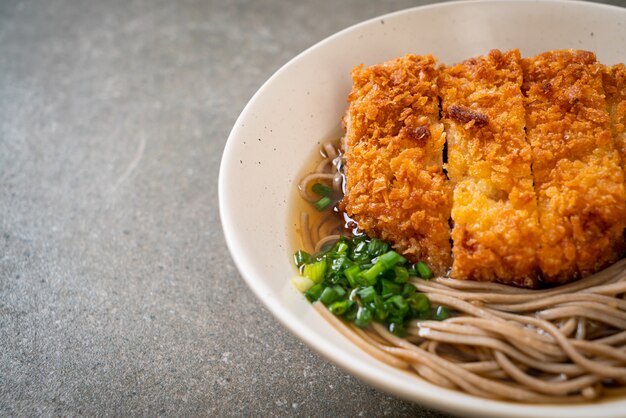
395,187
489,162
614,80
578,180
551,200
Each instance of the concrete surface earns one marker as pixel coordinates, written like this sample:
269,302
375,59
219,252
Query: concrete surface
117,293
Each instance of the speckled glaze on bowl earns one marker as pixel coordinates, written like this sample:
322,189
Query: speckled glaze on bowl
303,102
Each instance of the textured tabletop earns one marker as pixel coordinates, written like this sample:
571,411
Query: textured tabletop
117,293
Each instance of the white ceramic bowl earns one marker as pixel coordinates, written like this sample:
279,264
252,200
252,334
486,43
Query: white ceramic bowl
303,102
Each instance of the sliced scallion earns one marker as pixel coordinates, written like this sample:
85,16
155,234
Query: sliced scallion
315,271
363,317
423,270
323,203
419,303
442,313
401,274
367,294
314,292
352,274
302,283
362,280
301,258
389,288
328,296
341,307
321,190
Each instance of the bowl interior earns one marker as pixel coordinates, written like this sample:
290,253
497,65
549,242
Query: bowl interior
302,103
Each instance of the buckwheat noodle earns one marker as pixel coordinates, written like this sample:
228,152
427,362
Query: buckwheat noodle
564,344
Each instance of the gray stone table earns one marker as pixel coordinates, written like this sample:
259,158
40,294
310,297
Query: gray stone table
117,293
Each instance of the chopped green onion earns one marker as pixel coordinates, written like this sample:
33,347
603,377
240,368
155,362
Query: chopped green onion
341,247
397,329
367,294
389,288
423,270
397,308
363,317
442,313
419,303
399,303
391,258
373,272
341,307
379,309
359,251
315,271
301,258
336,262
377,247
302,283
408,290
351,313
323,203
340,291
352,274
362,280
402,274
384,263
322,189
328,296
314,293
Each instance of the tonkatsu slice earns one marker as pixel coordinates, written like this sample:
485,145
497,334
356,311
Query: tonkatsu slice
615,90
494,210
396,189
576,167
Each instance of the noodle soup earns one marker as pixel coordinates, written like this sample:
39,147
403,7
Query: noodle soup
552,345
312,225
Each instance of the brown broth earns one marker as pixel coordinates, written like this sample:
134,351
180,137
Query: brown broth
299,205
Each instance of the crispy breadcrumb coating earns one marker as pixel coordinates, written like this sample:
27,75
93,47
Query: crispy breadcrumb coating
395,187
494,209
578,179
615,90
536,148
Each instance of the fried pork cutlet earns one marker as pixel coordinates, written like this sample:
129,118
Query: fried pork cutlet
578,179
615,90
395,187
494,208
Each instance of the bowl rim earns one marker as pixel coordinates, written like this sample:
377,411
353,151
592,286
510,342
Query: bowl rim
466,405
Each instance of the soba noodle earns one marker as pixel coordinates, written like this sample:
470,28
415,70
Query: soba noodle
564,344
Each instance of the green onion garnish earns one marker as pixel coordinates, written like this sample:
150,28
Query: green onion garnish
401,274
301,258
328,296
389,288
302,283
315,271
314,293
341,247
441,313
367,294
408,290
423,270
363,317
352,274
419,303
362,280
398,305
341,307
397,329
323,203
322,190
